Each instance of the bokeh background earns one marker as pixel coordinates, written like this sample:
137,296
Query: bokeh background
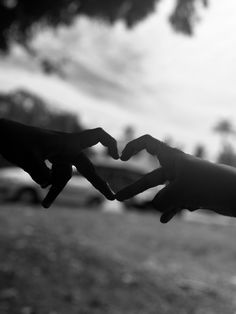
133,67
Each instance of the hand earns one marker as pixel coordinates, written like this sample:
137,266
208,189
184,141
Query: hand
192,183
29,147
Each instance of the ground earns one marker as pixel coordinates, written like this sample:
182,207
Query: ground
68,261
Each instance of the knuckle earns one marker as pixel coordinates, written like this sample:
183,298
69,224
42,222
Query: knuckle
99,130
147,137
129,147
92,132
113,141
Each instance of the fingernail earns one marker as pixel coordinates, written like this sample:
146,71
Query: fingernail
114,154
123,158
164,219
111,197
118,198
46,204
108,193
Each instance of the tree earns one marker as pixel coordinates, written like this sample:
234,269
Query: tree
227,155
200,151
225,129
21,19
185,16
30,109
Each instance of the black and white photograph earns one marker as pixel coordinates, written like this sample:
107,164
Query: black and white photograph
117,157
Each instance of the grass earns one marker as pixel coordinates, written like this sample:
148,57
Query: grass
79,261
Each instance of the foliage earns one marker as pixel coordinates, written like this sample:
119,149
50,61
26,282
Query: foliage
20,19
227,155
185,16
200,151
24,107
224,127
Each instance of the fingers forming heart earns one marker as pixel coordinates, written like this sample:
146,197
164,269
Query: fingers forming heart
61,171
166,200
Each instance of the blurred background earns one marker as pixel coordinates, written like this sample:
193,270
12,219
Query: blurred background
164,67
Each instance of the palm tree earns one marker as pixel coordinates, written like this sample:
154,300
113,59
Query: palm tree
225,128
227,154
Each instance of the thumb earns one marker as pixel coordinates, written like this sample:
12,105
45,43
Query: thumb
169,214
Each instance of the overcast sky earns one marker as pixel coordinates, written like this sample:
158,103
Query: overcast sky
150,77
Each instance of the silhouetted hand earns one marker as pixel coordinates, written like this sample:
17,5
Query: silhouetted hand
192,183
29,148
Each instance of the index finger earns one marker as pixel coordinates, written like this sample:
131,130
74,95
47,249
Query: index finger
87,169
61,174
148,181
169,214
152,146
92,137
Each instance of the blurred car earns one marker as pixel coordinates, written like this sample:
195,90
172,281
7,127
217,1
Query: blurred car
17,185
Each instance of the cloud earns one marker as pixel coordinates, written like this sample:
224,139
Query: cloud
163,83
94,58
